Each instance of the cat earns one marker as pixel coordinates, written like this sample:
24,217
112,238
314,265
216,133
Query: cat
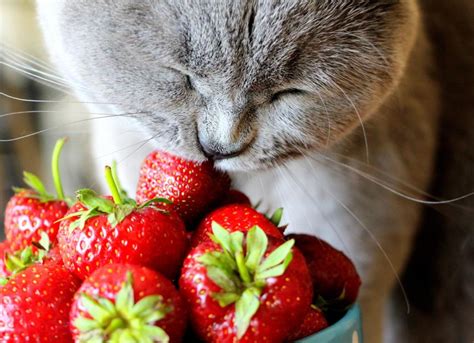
328,108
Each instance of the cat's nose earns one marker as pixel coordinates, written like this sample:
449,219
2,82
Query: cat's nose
215,154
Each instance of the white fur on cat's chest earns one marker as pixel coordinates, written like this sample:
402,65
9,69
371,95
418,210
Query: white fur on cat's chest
305,210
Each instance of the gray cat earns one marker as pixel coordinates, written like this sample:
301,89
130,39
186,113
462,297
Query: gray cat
333,109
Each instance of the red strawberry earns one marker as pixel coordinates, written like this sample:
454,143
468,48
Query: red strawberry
14,262
98,231
192,187
127,303
34,304
246,288
335,278
32,211
4,250
235,217
26,217
234,196
313,322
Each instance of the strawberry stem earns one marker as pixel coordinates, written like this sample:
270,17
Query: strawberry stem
113,186
55,168
115,176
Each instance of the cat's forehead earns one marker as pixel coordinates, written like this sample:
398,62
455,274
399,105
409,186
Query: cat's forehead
235,37
258,39
225,37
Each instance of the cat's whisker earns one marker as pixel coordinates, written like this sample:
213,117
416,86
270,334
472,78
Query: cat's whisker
80,132
369,232
318,207
28,100
63,90
59,89
9,114
54,101
328,118
138,148
65,124
380,183
35,74
307,219
34,70
377,49
278,169
129,146
48,78
364,132
280,194
262,191
390,177
27,57
389,182
44,78
141,143
36,77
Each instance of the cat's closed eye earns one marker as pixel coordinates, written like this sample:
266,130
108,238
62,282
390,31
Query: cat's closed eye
290,91
187,79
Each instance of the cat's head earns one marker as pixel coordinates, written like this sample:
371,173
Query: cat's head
250,82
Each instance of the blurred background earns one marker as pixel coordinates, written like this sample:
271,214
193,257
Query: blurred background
35,110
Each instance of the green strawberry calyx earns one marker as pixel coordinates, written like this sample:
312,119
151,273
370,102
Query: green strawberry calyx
37,189
275,218
18,261
116,210
242,273
122,320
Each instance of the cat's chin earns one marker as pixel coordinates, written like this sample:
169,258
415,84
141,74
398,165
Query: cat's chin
234,165
244,165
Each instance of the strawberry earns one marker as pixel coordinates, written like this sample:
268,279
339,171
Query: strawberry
234,196
4,250
127,303
15,262
313,322
192,187
34,304
32,211
335,279
245,287
237,217
98,231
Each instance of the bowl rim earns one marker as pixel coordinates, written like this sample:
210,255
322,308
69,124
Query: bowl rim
352,318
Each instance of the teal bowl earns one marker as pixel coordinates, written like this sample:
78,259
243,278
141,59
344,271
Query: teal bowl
347,330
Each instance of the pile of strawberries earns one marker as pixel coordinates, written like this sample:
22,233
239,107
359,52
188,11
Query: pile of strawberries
188,260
